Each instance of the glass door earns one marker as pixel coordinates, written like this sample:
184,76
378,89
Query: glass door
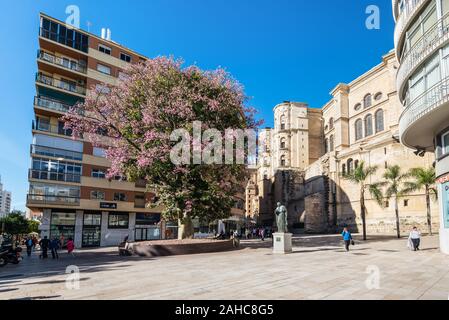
91,230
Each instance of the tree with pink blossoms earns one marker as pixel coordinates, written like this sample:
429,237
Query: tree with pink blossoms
134,120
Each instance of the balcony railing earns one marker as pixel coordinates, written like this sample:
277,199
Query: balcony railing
425,45
54,176
46,127
53,200
62,62
410,8
423,104
67,86
56,153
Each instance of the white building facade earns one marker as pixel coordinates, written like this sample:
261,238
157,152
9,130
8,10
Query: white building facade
5,201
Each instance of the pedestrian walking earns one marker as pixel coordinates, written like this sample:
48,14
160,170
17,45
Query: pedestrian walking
414,239
71,247
29,244
347,238
35,242
54,246
262,234
44,244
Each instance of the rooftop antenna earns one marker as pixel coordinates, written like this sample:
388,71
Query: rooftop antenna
89,24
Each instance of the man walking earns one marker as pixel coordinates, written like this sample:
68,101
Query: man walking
44,244
54,246
347,238
414,239
29,244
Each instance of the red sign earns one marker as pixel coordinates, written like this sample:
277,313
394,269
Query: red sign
443,179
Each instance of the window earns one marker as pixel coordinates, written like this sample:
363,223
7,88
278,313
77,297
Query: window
379,119
125,57
118,221
103,69
97,195
282,143
406,203
367,101
283,122
326,145
357,107
283,161
378,96
104,49
331,143
46,169
368,125
119,196
98,173
139,200
101,88
343,169
387,204
358,129
350,165
445,143
331,123
92,219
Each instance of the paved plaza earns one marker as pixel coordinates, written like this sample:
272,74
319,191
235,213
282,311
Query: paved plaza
318,268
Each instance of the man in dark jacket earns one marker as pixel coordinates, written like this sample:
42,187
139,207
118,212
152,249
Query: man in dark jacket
54,246
44,244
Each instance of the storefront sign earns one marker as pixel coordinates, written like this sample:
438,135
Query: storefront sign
443,179
108,205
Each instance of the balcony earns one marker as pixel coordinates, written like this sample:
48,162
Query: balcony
56,153
78,66
46,127
428,44
411,8
72,39
54,176
52,200
59,84
424,116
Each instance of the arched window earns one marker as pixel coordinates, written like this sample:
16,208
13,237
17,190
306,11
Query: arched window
368,125
367,101
326,145
358,129
379,119
357,107
356,163
283,161
282,143
343,169
378,96
331,123
283,122
331,143
350,165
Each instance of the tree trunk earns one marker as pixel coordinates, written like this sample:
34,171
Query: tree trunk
363,211
185,230
429,213
396,210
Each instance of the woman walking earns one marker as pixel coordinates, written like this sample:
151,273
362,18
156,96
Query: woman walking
70,247
414,239
347,238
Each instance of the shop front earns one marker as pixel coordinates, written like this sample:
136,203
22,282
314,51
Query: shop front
91,234
62,225
148,227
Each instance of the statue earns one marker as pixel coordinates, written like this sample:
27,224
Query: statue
281,218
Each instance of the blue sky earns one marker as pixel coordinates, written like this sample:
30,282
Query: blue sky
278,49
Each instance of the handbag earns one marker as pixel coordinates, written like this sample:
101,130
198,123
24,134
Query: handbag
352,242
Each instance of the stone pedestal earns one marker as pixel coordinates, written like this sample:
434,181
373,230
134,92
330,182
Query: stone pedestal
282,242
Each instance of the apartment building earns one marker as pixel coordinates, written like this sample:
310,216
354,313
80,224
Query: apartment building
421,40
67,177
5,201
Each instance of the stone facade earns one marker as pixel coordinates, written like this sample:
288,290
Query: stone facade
359,123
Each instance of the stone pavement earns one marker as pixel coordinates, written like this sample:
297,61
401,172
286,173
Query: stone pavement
318,268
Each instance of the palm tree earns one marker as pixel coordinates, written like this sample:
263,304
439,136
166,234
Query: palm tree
360,176
397,187
424,178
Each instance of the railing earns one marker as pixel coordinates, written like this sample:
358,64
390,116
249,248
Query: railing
410,7
53,199
55,36
54,176
63,62
422,48
56,153
423,104
46,127
71,87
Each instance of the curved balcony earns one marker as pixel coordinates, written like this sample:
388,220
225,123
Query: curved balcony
424,116
78,66
434,38
410,10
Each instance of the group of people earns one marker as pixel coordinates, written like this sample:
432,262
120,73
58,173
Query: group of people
46,244
413,243
260,233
